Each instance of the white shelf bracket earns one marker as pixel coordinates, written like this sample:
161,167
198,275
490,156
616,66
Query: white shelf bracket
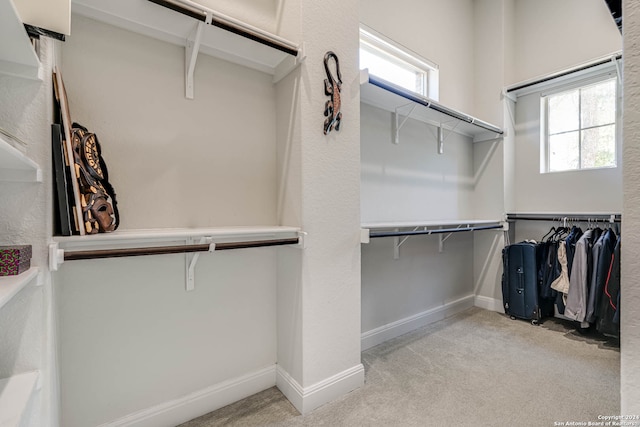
289,64
191,54
442,138
192,260
302,240
397,242
365,236
56,256
397,125
442,239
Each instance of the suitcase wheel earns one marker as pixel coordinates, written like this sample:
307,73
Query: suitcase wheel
535,322
512,317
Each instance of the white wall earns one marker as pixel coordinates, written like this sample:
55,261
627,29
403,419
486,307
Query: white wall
597,190
410,181
441,31
130,336
630,320
555,35
26,322
174,162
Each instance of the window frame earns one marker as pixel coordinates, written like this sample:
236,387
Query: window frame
399,55
568,84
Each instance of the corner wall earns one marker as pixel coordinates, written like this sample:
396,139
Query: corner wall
630,299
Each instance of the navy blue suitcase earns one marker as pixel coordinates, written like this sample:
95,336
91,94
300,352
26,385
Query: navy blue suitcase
521,283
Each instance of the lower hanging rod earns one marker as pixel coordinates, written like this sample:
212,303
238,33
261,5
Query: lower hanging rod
578,217
436,231
178,249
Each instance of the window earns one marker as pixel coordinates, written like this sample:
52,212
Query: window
579,127
396,64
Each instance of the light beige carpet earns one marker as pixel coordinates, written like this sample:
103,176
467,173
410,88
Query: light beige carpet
478,368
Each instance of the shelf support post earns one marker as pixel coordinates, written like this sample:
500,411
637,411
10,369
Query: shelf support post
397,125
191,55
192,260
440,140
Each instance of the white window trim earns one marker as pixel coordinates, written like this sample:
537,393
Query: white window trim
544,120
378,41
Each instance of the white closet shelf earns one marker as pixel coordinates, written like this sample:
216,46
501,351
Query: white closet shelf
16,166
15,395
17,56
225,38
430,223
11,285
128,238
390,97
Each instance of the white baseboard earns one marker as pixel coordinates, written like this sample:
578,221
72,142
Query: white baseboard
201,402
306,399
491,304
400,327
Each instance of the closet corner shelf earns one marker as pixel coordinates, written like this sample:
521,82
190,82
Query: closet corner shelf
15,166
10,286
174,21
131,238
388,96
17,56
15,395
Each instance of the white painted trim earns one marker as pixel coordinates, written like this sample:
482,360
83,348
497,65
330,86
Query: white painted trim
400,327
306,399
487,303
193,405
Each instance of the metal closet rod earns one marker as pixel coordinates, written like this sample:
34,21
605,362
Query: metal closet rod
436,231
580,217
178,249
226,23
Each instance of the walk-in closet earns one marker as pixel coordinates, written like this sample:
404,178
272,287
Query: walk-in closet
312,201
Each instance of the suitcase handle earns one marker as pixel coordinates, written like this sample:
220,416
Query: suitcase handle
520,272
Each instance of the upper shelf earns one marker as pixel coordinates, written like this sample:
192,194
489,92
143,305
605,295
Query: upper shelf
174,21
15,166
17,56
432,223
388,96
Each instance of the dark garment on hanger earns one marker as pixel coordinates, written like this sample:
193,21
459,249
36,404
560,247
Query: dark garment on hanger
609,304
550,269
571,240
607,243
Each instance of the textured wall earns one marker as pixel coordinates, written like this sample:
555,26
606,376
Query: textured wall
630,322
319,288
26,218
